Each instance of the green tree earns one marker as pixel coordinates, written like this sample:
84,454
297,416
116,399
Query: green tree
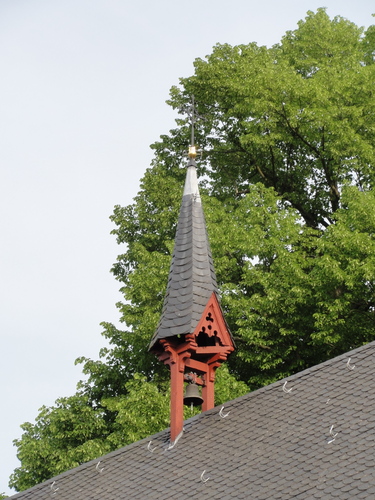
63,436
298,117
344,274
287,177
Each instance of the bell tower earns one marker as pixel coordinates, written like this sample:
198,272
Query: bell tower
192,337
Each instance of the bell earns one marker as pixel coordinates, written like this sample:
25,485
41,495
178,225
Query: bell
192,396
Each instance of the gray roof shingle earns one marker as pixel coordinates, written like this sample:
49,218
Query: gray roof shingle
272,445
192,277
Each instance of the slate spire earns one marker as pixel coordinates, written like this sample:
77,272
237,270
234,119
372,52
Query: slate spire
192,277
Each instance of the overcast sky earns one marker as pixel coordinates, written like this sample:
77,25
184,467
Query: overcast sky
83,88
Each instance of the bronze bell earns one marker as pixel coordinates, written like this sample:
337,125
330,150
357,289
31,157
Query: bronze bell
192,396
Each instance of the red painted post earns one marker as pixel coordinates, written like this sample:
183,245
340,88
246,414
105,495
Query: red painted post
208,390
208,396
177,398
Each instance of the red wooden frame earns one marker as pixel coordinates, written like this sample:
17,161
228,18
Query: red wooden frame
201,353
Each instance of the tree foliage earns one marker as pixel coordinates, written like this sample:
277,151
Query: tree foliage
287,177
298,117
62,437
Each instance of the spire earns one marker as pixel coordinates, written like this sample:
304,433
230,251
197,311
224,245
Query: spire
192,333
192,277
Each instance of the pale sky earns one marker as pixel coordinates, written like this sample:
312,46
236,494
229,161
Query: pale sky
83,88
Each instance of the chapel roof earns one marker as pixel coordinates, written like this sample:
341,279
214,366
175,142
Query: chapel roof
313,438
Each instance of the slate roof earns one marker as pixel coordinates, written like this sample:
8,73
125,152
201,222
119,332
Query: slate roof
192,276
315,442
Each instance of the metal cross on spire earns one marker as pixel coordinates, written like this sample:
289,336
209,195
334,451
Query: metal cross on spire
191,111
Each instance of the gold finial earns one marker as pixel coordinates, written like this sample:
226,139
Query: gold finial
192,152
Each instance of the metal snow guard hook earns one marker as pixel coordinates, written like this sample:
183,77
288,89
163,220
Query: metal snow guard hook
149,447
203,479
223,415
349,366
97,468
287,391
53,489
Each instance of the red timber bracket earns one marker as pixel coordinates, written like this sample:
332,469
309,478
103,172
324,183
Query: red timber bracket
201,353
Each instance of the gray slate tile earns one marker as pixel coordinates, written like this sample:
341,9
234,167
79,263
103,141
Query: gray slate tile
192,278
271,446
